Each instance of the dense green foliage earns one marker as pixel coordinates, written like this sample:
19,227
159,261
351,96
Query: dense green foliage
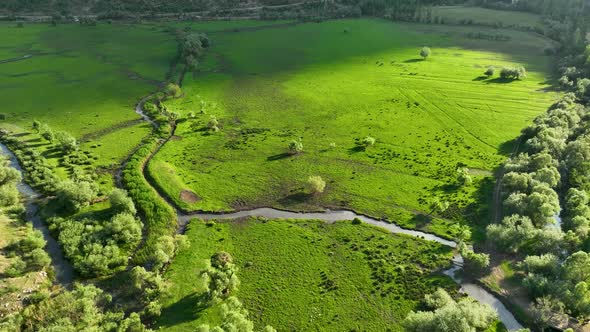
553,168
464,315
81,309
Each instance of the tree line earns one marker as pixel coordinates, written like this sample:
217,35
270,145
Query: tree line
548,182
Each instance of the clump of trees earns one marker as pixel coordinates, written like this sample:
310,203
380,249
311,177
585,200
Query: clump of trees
465,315
222,281
191,47
84,308
221,276
553,169
97,246
29,254
513,73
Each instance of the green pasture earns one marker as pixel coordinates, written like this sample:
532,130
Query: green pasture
330,84
82,79
285,268
485,16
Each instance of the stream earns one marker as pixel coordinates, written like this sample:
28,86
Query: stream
475,291
64,271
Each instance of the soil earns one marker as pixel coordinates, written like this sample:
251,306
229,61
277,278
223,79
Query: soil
189,196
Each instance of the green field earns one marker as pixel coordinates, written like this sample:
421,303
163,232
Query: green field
84,80
284,267
335,82
484,16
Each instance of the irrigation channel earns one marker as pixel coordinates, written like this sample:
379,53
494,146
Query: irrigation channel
64,271
475,291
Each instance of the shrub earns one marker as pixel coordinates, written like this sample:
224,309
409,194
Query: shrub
75,195
368,141
425,52
490,71
16,269
517,73
121,202
317,185
295,147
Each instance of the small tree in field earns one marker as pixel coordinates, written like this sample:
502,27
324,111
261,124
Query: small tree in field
463,177
317,185
425,52
295,147
213,124
368,142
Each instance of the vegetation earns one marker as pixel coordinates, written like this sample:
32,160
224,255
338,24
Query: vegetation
463,315
343,275
385,96
389,134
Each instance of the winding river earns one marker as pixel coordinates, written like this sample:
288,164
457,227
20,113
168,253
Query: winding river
475,291
64,272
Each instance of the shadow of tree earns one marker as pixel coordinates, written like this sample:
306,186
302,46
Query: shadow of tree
278,156
356,149
295,198
500,80
413,60
480,78
185,310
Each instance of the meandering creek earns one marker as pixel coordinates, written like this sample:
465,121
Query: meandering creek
475,291
64,271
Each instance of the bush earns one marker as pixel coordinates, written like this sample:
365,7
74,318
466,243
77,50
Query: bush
16,268
295,147
121,202
425,52
368,141
490,71
517,73
73,196
316,184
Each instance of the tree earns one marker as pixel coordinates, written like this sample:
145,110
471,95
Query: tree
295,147
466,315
172,90
463,177
66,141
121,202
221,277
213,124
36,126
425,52
368,142
75,195
316,184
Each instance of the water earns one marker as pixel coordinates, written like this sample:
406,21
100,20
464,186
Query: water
64,272
475,291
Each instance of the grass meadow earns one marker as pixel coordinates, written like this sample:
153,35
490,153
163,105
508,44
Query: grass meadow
485,16
331,84
84,80
306,275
